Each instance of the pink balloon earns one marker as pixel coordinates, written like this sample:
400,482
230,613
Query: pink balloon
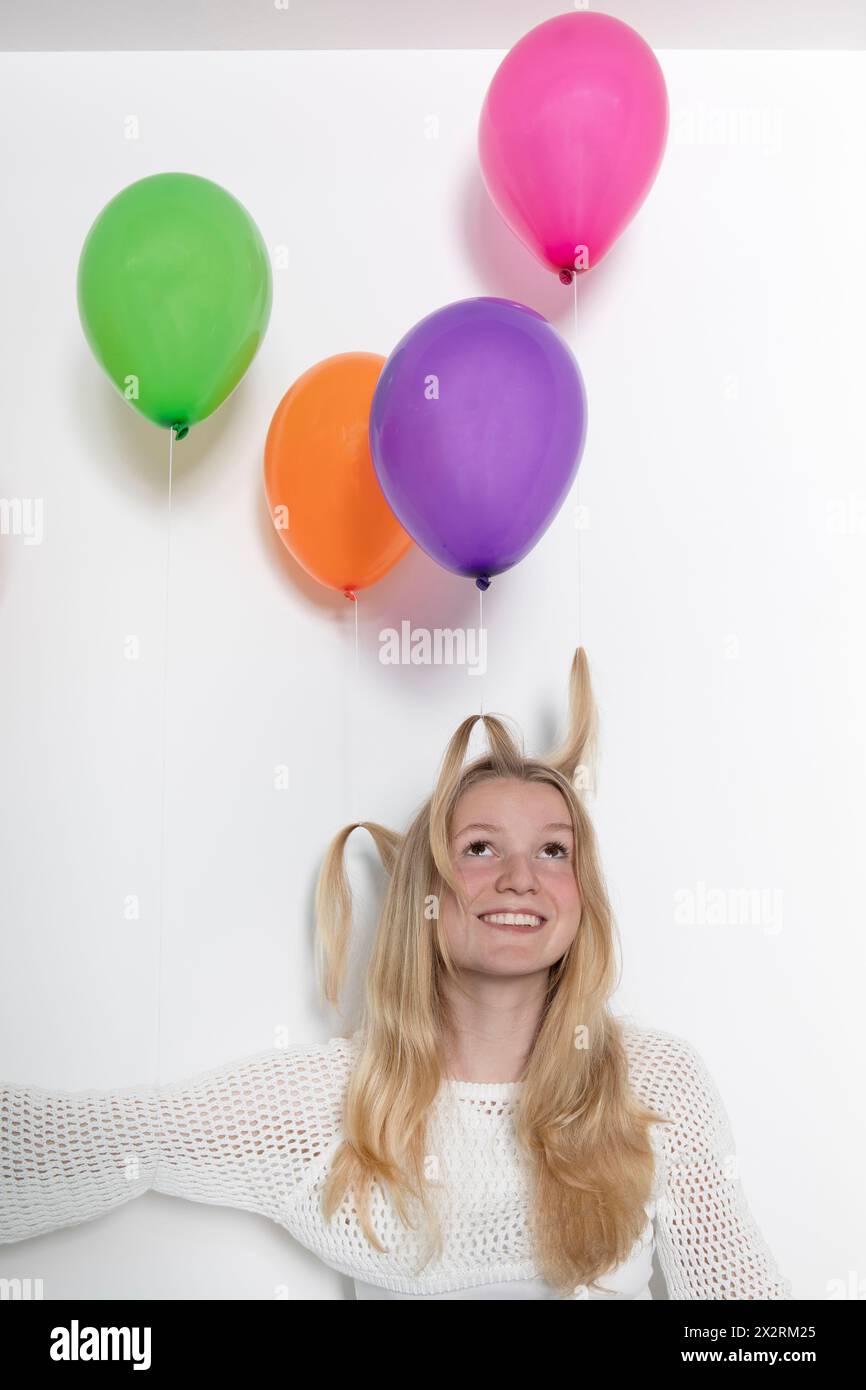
571,136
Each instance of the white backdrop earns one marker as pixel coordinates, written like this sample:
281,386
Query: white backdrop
723,578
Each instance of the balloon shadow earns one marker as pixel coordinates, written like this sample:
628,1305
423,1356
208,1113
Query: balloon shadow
416,591
511,271
313,594
131,449
422,594
412,583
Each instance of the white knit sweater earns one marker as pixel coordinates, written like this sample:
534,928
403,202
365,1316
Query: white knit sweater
259,1133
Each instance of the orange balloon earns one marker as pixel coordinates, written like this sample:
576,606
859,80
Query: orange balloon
322,490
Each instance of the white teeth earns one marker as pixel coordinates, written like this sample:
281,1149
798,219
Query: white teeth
513,919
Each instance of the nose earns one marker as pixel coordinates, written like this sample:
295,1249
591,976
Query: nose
517,875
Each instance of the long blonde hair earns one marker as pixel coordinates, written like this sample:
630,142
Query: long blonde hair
586,1133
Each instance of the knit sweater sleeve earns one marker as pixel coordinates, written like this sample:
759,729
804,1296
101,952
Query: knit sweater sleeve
246,1135
709,1244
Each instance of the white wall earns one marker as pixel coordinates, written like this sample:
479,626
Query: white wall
723,574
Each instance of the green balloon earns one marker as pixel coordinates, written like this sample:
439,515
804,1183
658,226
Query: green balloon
174,295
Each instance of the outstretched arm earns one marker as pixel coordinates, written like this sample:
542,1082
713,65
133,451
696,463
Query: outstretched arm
244,1135
68,1156
709,1244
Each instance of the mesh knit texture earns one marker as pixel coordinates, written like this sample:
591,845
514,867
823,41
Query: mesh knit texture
259,1133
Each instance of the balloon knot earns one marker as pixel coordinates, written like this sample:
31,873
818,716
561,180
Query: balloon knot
180,431
566,275
483,582
350,595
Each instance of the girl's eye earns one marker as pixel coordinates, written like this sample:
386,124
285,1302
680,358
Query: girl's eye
483,844
558,845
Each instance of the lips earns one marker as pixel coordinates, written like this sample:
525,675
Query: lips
522,922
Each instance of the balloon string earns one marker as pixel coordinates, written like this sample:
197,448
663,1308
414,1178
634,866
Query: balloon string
579,515
163,811
480,639
357,704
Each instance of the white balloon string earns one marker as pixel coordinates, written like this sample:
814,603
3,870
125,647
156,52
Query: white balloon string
162,855
480,637
353,722
579,514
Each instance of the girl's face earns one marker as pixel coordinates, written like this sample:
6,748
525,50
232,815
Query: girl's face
512,847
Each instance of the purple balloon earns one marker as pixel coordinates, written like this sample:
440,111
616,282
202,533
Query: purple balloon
477,429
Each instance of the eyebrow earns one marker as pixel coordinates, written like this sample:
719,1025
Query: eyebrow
482,825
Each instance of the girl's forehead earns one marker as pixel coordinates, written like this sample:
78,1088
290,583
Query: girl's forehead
505,799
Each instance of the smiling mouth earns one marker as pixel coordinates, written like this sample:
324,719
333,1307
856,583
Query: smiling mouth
513,921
